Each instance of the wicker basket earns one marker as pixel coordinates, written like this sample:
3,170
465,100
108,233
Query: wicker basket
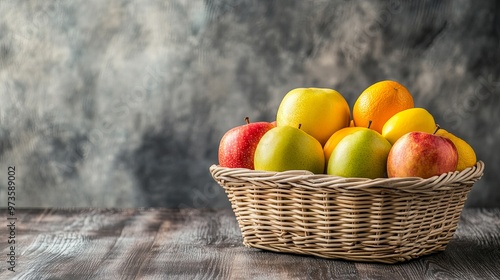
375,220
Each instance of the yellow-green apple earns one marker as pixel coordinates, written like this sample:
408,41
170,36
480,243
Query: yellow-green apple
237,146
361,154
336,137
289,148
421,154
320,111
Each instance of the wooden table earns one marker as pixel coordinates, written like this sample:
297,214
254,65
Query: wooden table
207,244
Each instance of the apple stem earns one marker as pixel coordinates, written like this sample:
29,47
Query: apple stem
437,128
300,125
247,120
369,123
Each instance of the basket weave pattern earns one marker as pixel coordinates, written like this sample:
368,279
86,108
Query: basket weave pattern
378,220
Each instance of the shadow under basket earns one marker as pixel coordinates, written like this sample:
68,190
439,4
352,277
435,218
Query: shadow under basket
384,220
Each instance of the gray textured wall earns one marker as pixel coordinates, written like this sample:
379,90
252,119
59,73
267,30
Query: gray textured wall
122,103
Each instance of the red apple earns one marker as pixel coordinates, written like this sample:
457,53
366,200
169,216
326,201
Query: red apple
237,146
421,154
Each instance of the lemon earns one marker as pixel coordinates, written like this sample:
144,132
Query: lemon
466,154
409,120
319,111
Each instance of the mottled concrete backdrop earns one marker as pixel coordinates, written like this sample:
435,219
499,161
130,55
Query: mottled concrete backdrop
123,103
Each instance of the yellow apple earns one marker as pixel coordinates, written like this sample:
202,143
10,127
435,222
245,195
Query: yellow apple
320,111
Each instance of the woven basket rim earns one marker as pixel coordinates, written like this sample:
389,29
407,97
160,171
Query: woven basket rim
308,180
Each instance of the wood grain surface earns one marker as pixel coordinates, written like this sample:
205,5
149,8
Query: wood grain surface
206,244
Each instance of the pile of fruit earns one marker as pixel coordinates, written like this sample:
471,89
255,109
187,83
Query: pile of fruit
385,136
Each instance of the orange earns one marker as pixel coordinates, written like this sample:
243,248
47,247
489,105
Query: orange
379,102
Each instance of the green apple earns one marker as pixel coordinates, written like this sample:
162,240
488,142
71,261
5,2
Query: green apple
362,154
289,148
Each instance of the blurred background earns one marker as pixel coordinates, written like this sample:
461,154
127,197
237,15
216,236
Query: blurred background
123,103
